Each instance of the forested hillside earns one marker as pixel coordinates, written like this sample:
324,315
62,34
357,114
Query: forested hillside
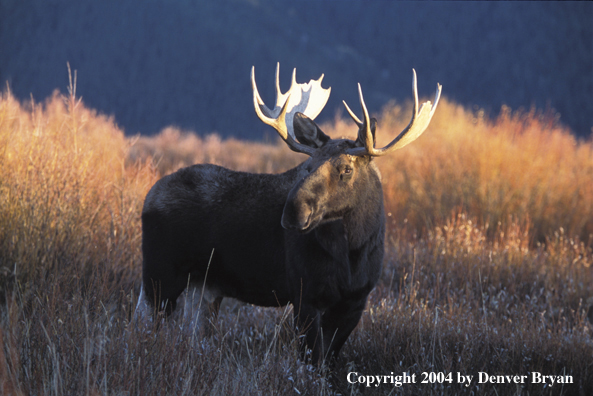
186,63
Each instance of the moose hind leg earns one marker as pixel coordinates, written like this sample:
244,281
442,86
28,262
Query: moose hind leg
199,307
162,286
142,312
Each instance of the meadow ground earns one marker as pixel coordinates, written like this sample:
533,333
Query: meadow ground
487,268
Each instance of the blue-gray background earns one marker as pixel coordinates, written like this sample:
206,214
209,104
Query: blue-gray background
155,63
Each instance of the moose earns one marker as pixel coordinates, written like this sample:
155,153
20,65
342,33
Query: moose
312,236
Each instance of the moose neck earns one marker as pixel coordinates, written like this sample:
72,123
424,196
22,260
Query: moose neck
366,217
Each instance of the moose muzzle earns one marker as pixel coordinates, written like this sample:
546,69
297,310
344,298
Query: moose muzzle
301,210
297,215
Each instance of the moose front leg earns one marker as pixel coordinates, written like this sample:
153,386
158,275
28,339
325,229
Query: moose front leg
338,322
307,322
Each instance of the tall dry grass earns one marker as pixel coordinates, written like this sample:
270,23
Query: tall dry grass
488,261
523,166
69,200
69,222
173,149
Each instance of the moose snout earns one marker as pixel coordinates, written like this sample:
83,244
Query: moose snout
296,217
304,206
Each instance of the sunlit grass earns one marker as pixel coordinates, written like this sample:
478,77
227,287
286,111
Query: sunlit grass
523,166
68,199
488,259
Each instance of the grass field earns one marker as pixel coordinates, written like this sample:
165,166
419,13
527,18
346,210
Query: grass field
487,269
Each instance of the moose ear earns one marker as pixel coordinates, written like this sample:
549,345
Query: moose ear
307,132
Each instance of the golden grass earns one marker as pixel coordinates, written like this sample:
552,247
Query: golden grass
523,167
488,260
67,197
173,149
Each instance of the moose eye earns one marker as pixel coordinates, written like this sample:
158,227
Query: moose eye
346,173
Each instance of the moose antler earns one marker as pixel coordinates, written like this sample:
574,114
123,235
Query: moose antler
420,120
309,99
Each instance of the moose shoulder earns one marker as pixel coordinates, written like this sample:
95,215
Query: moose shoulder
312,236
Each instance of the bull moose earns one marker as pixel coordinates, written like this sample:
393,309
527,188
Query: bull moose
312,236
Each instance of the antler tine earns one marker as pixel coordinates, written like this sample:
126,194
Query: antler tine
415,92
293,79
278,92
365,133
354,117
418,124
256,98
369,143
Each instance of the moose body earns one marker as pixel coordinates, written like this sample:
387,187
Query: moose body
312,236
233,233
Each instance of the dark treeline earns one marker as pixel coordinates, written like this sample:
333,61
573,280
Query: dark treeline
186,63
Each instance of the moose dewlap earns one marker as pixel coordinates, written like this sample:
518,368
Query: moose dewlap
312,236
